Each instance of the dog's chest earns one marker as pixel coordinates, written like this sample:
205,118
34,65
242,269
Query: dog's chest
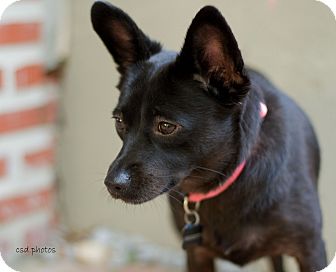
239,245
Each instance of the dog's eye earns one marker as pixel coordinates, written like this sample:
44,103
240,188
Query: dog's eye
120,125
166,128
117,119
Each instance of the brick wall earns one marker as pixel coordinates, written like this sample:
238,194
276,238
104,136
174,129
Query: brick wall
28,109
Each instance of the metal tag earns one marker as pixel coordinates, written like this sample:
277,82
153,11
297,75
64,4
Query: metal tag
192,235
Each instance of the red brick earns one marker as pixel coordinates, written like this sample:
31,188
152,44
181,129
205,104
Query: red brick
30,76
24,119
20,33
40,157
13,207
3,168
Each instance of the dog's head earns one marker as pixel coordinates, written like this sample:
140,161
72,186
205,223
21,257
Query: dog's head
178,113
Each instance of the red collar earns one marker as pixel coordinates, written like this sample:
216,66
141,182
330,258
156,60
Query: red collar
198,197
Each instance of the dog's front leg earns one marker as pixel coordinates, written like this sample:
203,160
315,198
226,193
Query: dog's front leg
200,260
313,256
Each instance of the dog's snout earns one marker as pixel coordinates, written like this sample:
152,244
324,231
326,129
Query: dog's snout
118,182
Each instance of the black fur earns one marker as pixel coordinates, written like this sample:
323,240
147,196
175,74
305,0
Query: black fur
208,102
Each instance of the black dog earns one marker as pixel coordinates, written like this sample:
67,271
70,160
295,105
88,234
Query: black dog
190,121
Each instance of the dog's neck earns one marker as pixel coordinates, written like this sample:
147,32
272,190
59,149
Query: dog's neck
198,197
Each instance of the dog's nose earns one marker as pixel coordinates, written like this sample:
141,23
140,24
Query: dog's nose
119,182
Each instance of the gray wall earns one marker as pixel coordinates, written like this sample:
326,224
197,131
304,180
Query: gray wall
294,44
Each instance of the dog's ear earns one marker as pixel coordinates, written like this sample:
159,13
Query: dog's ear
211,54
122,37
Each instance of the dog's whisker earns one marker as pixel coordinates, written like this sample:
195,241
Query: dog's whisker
176,199
199,177
211,170
177,192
